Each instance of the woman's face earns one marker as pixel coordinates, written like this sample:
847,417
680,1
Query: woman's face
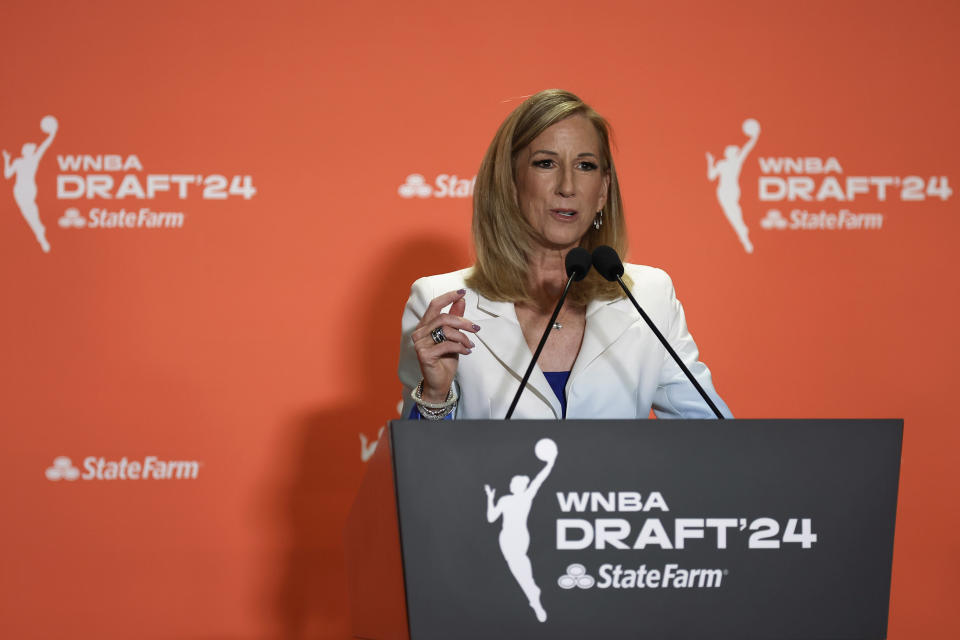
560,182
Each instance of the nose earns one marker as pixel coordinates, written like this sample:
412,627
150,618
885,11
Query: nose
565,187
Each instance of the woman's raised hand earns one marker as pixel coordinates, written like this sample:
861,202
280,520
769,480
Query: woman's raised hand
439,360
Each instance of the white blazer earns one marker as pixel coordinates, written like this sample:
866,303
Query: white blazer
622,370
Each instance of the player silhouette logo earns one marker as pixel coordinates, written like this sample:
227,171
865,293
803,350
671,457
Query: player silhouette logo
367,448
728,186
25,186
514,536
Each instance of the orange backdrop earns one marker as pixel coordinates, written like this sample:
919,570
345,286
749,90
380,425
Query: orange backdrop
242,330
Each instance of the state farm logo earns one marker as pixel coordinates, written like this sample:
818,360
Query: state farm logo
100,468
823,219
62,469
443,186
576,576
670,576
774,220
71,218
814,193
415,187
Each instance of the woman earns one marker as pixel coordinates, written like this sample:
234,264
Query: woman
546,185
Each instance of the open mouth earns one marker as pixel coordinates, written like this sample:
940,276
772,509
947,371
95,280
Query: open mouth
566,213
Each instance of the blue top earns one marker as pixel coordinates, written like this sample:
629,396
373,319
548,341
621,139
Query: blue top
558,382
556,379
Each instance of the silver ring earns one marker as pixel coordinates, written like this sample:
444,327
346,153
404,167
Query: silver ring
437,335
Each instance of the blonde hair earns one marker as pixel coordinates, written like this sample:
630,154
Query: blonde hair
502,236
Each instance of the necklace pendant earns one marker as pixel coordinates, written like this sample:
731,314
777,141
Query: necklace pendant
557,325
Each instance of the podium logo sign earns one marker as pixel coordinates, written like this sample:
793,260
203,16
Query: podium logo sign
512,510
811,193
628,521
100,468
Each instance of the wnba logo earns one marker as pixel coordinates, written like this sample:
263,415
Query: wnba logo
726,171
514,535
25,185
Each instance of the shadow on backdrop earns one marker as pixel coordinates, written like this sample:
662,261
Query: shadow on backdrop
325,465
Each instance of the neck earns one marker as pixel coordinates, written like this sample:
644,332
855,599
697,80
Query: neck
547,277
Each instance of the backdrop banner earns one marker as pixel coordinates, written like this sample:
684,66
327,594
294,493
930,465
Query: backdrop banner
211,214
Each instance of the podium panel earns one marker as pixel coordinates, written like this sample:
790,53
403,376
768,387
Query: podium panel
646,529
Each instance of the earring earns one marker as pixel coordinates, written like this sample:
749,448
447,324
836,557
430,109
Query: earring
598,221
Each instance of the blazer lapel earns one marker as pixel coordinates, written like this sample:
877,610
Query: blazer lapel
607,320
500,332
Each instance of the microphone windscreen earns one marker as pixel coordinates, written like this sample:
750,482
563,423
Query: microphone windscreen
607,262
577,263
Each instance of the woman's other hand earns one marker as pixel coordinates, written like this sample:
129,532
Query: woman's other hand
438,361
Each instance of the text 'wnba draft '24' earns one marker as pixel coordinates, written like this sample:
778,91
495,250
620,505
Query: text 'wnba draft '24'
109,191
811,193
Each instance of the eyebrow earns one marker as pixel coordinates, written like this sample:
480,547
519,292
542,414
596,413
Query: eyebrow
554,153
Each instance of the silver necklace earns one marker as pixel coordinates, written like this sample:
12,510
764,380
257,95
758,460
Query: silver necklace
557,325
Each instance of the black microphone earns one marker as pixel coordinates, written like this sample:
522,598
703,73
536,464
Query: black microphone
577,265
608,264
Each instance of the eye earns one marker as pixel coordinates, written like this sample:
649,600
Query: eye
543,163
587,165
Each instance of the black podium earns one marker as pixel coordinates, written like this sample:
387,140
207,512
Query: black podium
736,529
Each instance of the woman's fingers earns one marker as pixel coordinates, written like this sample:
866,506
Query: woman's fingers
452,337
437,353
452,324
433,311
441,301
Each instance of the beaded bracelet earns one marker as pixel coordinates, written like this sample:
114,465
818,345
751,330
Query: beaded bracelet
434,410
